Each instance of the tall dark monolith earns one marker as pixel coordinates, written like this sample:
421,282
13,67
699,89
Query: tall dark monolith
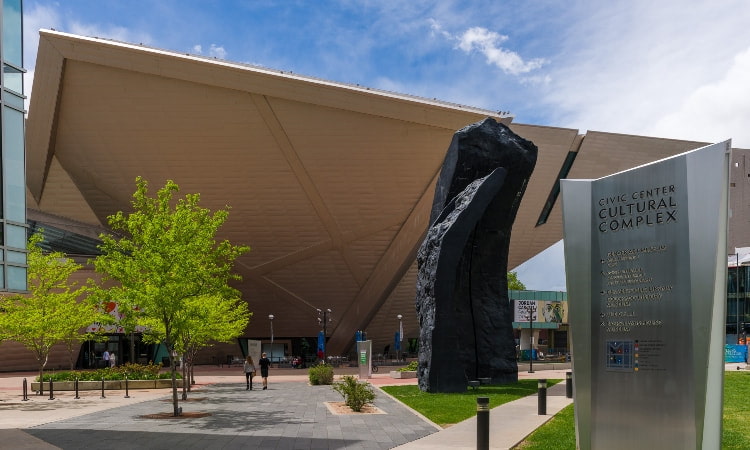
465,317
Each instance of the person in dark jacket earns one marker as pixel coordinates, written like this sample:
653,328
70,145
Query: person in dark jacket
264,363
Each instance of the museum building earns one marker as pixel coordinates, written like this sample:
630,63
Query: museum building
330,184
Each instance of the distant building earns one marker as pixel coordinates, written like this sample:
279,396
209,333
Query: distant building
540,321
738,304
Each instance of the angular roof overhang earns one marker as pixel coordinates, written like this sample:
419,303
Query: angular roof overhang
330,184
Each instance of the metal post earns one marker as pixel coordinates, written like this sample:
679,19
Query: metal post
400,338
126,386
51,389
569,384
102,389
531,341
483,423
270,319
76,386
324,323
542,404
25,391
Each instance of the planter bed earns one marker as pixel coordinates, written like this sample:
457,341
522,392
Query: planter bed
403,374
108,385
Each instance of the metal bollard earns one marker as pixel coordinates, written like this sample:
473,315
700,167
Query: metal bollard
76,386
126,387
102,389
51,389
483,423
569,384
25,391
542,395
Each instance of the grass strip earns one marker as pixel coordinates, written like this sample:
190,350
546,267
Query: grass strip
448,409
559,433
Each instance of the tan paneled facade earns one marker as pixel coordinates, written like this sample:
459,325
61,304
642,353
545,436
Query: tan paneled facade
331,185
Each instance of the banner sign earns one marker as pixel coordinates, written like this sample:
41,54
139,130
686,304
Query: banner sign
735,353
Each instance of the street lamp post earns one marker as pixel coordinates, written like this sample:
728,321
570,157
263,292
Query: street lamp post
270,319
400,335
324,316
531,341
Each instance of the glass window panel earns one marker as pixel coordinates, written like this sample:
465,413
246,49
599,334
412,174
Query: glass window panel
2,276
14,100
16,257
16,278
15,236
12,78
13,165
12,32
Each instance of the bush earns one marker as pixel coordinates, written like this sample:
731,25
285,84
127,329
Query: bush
411,367
132,371
356,394
321,374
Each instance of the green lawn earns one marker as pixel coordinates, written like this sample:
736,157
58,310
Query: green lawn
559,432
447,409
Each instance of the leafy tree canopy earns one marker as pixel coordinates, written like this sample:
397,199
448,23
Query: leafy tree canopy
55,310
514,283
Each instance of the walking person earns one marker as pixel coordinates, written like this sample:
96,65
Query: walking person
112,359
265,363
249,368
105,358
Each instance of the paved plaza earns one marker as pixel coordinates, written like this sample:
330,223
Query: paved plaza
221,414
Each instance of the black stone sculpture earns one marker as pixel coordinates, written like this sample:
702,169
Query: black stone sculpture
465,316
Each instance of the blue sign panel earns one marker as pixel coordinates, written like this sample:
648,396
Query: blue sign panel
735,353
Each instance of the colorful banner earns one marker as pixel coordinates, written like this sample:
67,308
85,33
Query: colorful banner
540,311
735,353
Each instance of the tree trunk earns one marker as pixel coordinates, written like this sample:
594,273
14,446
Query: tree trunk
184,379
173,370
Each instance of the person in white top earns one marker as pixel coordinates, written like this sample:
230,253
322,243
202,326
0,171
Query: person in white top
249,368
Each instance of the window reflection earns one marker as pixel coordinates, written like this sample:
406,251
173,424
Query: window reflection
12,32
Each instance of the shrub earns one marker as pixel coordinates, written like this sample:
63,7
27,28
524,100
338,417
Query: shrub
133,372
321,374
412,366
356,394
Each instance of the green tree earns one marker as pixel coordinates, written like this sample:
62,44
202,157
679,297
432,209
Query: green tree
514,283
165,259
211,319
54,311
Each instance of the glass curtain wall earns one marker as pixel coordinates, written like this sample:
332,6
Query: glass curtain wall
738,306
13,235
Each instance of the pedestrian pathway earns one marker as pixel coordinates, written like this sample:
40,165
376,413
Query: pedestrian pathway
289,415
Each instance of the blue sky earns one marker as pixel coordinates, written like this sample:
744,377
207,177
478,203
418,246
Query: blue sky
669,68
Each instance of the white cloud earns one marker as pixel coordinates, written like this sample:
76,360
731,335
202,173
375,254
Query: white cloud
545,271
715,111
217,51
486,42
214,50
653,68
113,32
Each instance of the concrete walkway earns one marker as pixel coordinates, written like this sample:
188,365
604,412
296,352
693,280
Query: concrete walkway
289,415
